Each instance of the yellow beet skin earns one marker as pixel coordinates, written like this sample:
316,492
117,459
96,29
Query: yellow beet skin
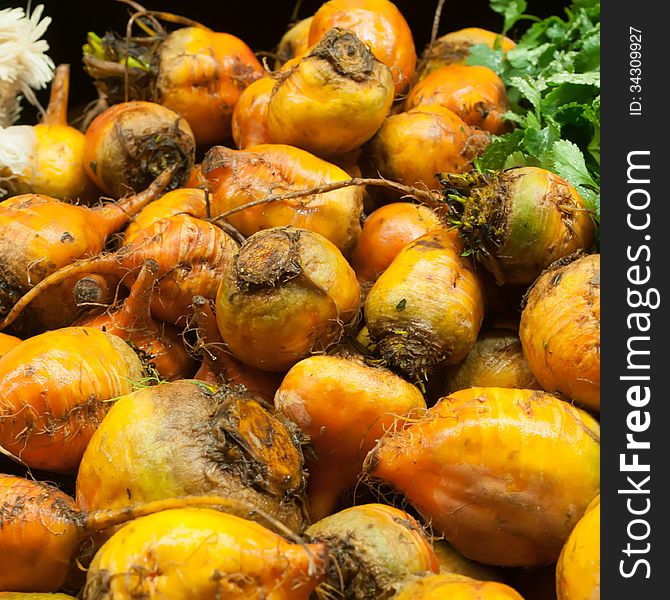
237,177
201,76
476,94
288,294
38,536
413,146
55,389
250,117
189,438
378,24
202,553
578,569
188,201
427,307
373,548
454,48
455,587
504,474
333,99
560,330
496,360
373,397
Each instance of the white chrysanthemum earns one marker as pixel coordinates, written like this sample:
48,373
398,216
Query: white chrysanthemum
17,155
24,64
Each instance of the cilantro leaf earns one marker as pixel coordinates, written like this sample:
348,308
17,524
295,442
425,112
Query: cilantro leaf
568,161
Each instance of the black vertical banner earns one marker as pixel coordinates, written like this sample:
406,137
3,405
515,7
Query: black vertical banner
635,274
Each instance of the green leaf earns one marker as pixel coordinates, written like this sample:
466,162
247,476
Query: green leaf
530,89
499,149
568,161
517,159
565,94
511,10
539,142
592,78
482,55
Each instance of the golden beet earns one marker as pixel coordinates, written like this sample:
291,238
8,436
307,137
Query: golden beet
288,293
373,548
7,342
187,438
427,307
201,75
414,146
378,24
159,344
238,177
518,221
454,48
192,255
295,42
386,232
188,201
202,553
333,99
560,330
39,235
129,144
218,364
38,536
503,474
250,117
48,158
578,569
454,587
371,398
476,94
194,71
496,360
55,389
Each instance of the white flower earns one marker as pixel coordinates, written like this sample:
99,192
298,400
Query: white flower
24,64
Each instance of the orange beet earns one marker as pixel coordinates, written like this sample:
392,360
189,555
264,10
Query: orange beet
386,232
503,474
454,48
476,94
414,146
374,547
160,345
560,330
377,23
371,398
7,342
38,535
194,71
191,254
39,235
238,177
250,117
187,201
56,388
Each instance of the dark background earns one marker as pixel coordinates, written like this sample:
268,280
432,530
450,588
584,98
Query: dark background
259,23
